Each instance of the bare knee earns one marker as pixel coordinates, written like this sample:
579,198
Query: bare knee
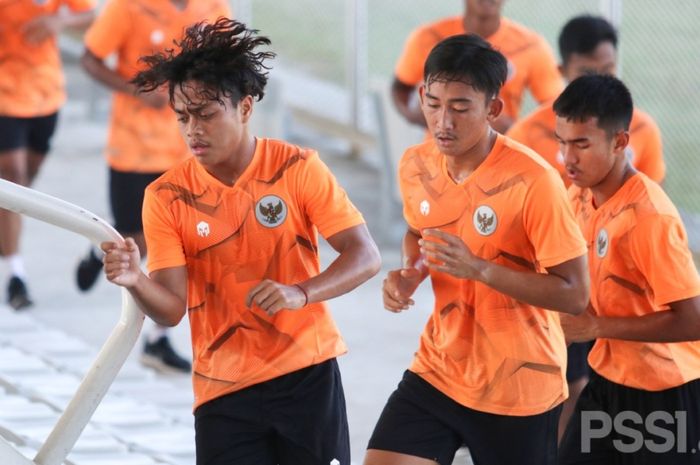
385,457
13,166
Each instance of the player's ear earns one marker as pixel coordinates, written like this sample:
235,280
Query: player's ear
620,141
421,93
495,107
245,107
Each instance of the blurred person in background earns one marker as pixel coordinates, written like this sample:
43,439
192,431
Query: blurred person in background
31,94
531,63
588,45
144,140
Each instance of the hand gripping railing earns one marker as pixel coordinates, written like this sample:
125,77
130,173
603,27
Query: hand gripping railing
114,352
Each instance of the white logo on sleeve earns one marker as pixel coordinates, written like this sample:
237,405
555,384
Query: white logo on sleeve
425,208
335,462
203,229
602,243
485,220
157,37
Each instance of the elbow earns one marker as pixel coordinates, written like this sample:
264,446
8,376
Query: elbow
169,320
578,300
89,63
373,261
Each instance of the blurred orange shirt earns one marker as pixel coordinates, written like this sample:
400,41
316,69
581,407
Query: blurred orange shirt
484,349
531,63
639,263
141,138
645,152
230,238
31,77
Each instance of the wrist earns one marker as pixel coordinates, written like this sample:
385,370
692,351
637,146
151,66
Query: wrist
303,291
484,271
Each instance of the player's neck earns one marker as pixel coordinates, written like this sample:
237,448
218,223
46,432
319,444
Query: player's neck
612,183
237,162
460,167
483,26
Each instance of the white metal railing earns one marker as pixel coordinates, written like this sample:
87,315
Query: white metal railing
104,369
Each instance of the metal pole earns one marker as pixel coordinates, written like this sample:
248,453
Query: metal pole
612,11
356,53
243,11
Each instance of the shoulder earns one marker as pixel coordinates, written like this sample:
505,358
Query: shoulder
278,152
542,118
523,158
642,121
652,200
423,158
439,29
180,177
520,33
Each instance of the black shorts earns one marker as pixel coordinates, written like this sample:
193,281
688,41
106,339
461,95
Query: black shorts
577,366
31,133
296,419
420,420
126,192
616,424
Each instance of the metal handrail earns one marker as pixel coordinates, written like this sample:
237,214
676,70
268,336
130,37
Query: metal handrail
116,349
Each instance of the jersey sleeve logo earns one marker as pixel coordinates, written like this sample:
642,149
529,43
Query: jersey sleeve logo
485,220
425,208
203,229
602,243
271,211
157,37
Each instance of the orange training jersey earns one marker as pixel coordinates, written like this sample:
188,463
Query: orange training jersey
144,139
531,62
231,238
480,347
639,263
31,78
536,130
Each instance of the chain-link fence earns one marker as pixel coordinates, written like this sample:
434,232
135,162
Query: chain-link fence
658,51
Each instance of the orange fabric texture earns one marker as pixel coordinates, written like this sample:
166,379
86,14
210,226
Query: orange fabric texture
230,238
531,63
144,139
31,77
639,263
536,130
480,347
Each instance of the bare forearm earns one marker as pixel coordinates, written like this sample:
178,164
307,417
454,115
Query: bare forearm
77,20
411,256
351,268
548,291
106,76
157,302
666,326
402,96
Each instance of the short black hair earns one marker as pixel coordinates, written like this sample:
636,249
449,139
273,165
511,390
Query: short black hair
599,96
582,34
470,59
221,56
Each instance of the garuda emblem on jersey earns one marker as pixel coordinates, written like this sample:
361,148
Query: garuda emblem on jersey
602,243
485,220
271,211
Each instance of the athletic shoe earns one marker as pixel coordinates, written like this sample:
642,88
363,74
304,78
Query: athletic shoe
161,356
17,294
88,270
